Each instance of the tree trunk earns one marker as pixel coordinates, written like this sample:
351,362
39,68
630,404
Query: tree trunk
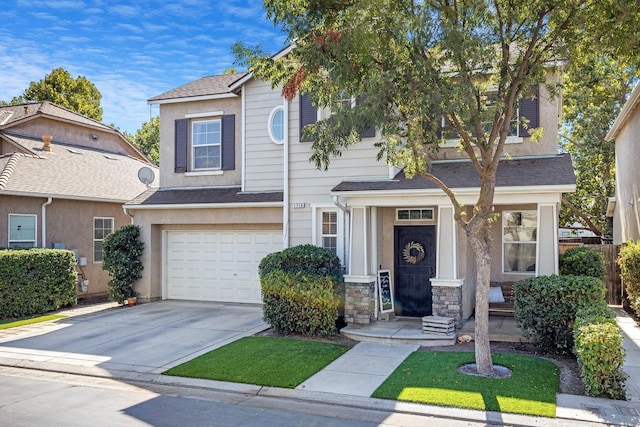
480,241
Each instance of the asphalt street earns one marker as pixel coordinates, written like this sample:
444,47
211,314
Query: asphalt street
40,398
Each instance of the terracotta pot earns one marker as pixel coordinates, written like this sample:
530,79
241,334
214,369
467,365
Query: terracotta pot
132,301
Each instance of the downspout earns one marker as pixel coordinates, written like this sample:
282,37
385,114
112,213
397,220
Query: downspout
346,230
127,213
43,239
285,174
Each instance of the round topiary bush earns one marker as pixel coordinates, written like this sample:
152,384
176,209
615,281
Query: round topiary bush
307,259
583,261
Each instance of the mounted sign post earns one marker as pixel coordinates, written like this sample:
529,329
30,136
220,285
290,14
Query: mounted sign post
385,291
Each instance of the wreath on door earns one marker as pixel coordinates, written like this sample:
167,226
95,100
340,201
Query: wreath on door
413,253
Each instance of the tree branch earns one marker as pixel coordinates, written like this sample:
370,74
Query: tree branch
584,217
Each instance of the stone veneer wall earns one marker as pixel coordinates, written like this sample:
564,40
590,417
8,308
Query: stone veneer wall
447,302
359,302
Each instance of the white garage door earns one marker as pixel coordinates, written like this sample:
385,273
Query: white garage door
217,265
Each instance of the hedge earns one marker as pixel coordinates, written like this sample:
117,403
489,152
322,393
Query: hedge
583,261
122,250
36,281
598,348
299,303
629,261
545,308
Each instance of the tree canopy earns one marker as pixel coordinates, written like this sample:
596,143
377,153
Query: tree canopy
147,139
411,64
79,94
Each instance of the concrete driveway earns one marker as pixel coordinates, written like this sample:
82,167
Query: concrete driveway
148,338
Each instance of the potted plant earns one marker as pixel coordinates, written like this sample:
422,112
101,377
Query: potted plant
121,258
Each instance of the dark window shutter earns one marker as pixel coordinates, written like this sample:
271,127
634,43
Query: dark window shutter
371,131
308,114
181,144
529,109
229,142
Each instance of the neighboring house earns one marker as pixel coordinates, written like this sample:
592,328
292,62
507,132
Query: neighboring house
63,181
623,207
236,183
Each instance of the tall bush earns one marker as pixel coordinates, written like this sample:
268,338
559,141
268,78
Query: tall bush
629,261
36,281
583,261
122,250
545,308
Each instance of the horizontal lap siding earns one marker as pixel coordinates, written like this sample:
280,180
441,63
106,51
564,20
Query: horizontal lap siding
264,159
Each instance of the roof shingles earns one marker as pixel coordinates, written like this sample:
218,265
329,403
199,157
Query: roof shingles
210,85
204,196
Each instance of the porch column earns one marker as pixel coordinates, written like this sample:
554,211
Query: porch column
446,287
360,283
547,250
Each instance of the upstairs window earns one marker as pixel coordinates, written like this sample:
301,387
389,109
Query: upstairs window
206,140
276,125
22,231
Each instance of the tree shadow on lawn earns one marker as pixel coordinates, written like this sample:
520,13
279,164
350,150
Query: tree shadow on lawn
433,378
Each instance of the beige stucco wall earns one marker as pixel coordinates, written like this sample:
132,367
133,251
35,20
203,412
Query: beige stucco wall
626,224
67,133
69,222
153,222
169,113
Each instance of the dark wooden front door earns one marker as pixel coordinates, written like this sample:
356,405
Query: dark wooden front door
414,265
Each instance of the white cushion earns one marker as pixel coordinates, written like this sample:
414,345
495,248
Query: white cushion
495,294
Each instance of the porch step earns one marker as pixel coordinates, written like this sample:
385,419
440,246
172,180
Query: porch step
438,325
396,332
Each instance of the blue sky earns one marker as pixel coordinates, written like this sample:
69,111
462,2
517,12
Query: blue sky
131,50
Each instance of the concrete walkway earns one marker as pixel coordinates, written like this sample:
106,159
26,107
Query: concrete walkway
349,380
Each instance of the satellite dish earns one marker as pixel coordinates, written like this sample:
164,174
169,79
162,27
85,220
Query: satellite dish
146,175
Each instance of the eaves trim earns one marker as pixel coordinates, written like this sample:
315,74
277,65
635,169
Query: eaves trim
569,188
192,98
205,205
62,197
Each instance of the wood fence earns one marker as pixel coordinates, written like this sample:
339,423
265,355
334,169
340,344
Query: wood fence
615,291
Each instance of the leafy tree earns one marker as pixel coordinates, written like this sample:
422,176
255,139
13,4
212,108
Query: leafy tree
147,139
416,62
79,94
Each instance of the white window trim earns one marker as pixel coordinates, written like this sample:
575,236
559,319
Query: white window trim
273,112
521,273
205,114
192,147
316,224
93,230
432,219
35,230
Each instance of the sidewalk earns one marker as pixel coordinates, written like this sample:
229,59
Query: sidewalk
352,378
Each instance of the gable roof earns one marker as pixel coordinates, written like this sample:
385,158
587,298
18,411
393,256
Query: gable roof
210,87
11,115
625,113
461,174
70,172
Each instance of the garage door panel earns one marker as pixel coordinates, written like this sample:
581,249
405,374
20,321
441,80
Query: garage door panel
217,265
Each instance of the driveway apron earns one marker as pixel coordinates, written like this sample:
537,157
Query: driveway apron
148,338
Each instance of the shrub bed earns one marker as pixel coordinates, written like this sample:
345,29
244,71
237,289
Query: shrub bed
299,303
583,261
629,261
546,306
598,348
36,281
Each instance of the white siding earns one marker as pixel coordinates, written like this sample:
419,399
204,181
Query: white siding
263,158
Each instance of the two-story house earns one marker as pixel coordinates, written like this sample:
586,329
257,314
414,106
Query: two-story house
236,183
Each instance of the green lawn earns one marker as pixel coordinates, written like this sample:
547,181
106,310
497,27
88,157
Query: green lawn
13,323
268,361
432,378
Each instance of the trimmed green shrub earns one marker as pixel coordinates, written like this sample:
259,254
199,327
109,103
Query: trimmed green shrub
629,262
583,261
36,281
121,258
598,348
545,308
309,260
299,303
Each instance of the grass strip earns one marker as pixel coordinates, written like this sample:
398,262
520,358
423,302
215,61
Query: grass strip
433,378
267,361
12,323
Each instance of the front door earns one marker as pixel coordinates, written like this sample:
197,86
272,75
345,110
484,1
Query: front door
414,265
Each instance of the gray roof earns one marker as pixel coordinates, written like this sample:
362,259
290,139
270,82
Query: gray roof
522,172
11,114
213,196
210,85
72,172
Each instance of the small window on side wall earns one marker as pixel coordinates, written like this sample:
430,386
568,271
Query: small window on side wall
102,227
519,241
276,125
22,231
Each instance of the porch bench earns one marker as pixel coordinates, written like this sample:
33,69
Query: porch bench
502,308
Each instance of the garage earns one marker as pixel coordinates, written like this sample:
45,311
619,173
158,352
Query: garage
216,265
